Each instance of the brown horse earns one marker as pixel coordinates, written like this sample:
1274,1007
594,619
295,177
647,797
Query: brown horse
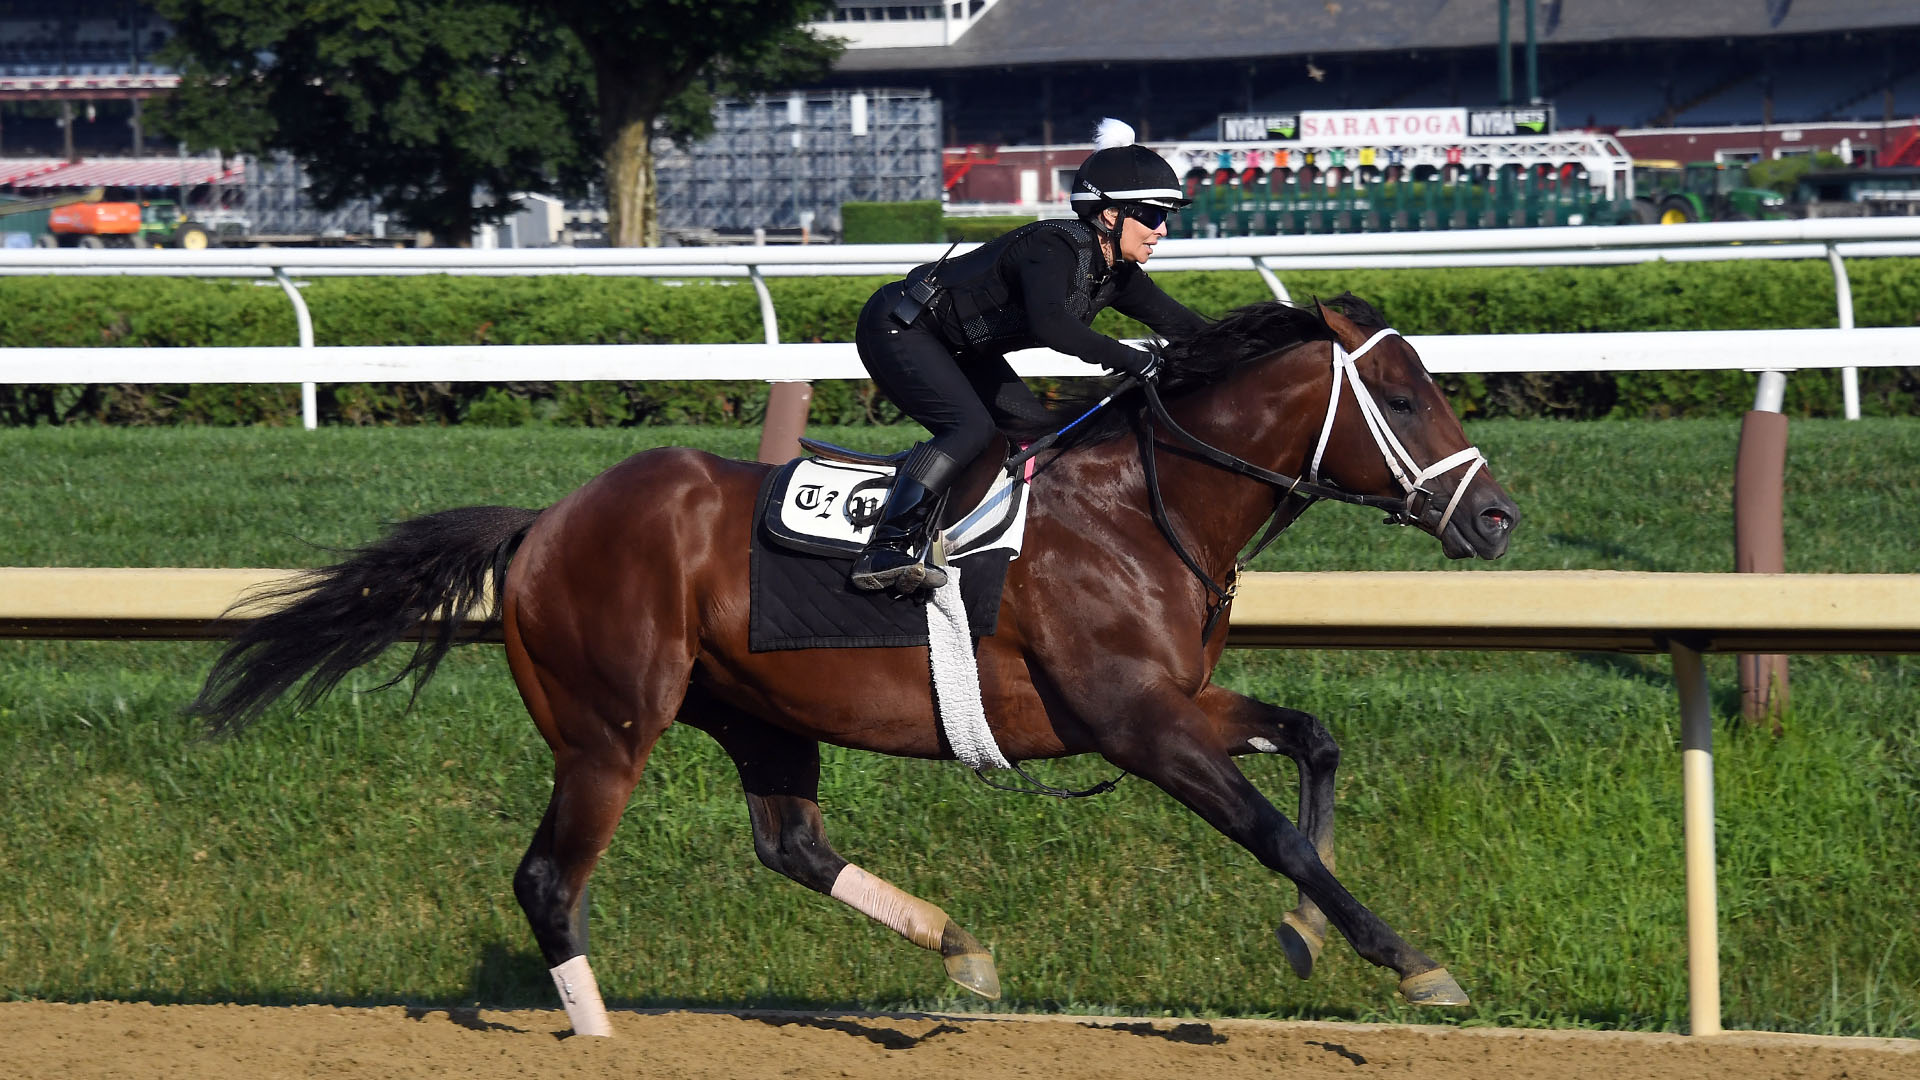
624,607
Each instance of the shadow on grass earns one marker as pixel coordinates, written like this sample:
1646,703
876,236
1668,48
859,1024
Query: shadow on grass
1724,694
1638,669
507,978
1630,558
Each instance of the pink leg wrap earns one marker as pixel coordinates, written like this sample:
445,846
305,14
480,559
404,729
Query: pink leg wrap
905,914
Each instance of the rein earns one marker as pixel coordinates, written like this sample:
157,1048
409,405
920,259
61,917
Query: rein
1408,510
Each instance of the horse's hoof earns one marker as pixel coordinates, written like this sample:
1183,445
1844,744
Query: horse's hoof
1434,987
969,963
1301,943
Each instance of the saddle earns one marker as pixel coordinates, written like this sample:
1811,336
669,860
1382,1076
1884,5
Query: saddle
812,520
827,504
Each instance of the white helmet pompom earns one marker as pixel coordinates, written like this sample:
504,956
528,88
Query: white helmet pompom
1112,133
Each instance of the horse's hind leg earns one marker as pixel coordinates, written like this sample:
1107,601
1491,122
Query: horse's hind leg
601,736
780,772
1175,746
588,797
1247,725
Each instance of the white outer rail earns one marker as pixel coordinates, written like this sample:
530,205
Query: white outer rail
832,259
1676,350
1832,238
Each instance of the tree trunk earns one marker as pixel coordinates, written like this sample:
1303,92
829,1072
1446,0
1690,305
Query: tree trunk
629,102
631,202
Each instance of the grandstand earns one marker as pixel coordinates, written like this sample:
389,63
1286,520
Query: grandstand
1040,73
1020,83
73,74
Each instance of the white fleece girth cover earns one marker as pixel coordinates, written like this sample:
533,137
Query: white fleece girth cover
956,678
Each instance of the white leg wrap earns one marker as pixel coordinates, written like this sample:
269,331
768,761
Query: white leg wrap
903,913
581,995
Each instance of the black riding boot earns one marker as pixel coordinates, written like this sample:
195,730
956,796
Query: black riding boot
892,559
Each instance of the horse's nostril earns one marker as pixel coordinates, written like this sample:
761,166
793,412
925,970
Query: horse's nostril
1497,518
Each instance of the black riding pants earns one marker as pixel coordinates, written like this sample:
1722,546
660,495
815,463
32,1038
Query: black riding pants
962,401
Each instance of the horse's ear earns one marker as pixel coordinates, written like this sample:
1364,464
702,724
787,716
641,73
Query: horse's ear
1349,333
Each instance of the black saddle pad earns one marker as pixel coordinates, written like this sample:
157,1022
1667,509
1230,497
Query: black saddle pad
803,601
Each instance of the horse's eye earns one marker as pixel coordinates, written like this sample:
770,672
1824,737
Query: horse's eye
1400,405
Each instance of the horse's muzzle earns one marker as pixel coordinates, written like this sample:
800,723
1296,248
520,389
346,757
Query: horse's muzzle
1484,532
1480,526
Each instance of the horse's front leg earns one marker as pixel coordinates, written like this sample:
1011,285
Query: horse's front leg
1175,745
1249,726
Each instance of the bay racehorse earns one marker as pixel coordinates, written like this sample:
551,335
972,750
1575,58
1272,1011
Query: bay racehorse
624,608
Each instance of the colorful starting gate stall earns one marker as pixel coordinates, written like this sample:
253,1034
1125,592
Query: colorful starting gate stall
1383,170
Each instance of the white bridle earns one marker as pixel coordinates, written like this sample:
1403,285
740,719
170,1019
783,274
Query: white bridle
1405,469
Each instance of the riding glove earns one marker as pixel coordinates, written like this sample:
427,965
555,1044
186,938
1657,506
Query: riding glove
1145,364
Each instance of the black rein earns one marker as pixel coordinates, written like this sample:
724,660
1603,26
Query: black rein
1289,487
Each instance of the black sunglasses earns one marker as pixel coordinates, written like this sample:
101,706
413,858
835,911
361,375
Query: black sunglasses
1151,216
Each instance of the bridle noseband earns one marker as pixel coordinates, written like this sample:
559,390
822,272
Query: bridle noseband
1411,476
1399,461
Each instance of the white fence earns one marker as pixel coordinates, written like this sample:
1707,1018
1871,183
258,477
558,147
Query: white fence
1769,351
1695,350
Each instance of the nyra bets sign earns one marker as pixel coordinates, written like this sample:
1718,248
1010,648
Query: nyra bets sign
1406,127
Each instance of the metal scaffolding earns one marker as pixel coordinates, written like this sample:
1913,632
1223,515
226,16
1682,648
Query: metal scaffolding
790,160
276,204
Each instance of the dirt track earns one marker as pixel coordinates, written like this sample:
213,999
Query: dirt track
102,1040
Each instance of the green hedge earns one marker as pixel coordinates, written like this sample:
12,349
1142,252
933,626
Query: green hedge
151,311
890,222
971,230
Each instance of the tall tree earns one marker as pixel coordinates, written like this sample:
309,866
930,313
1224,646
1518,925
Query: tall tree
659,62
436,109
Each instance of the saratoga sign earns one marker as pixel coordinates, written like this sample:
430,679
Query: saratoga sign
1387,127
1403,126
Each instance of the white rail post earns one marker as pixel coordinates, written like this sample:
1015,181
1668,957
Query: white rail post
787,400
1696,765
1273,281
309,397
1843,298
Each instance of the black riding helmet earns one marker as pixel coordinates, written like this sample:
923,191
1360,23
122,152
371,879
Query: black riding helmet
1122,173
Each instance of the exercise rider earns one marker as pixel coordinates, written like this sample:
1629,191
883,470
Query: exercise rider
936,343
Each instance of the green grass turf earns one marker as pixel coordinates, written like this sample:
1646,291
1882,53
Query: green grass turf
1515,814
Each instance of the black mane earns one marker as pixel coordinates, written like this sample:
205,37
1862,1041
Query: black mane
1242,335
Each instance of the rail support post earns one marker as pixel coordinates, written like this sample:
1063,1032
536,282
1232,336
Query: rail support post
309,394
1696,765
1273,281
1843,300
1759,540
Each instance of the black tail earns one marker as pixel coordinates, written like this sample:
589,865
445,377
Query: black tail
339,617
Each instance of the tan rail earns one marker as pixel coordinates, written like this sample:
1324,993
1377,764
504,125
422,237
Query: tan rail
1556,610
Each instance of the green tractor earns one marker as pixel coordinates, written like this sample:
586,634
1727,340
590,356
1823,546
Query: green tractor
164,224
1668,193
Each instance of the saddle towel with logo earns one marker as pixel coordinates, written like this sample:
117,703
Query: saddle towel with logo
812,520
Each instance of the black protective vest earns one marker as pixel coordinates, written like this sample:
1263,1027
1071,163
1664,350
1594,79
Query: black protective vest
983,308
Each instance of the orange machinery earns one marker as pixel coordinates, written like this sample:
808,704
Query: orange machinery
95,219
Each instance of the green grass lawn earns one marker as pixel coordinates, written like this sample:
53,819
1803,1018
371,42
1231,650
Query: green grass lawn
1515,814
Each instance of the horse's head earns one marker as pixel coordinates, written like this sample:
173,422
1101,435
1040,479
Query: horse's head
1390,432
